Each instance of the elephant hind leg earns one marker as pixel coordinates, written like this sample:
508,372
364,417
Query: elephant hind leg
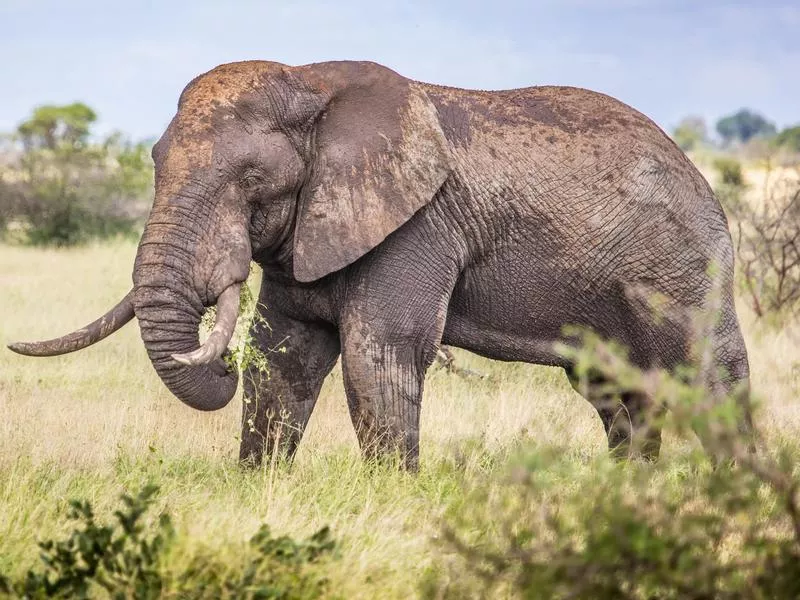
730,373
631,422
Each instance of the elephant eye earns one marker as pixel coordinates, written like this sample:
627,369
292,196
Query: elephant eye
250,181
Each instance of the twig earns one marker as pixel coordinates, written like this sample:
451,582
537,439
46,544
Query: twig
446,360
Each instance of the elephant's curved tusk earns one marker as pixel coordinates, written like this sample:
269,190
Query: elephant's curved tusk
92,333
212,349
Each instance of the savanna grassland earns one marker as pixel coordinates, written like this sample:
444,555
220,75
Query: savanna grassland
95,424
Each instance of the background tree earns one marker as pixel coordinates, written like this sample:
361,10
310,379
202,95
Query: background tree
51,126
789,139
62,188
690,133
744,125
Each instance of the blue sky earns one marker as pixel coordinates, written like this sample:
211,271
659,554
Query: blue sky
668,58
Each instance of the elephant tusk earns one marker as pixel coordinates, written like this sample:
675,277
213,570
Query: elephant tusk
92,333
211,350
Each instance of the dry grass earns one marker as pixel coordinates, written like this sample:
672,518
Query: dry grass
95,423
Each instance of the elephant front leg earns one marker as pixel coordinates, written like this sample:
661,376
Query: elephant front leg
384,359
384,383
279,402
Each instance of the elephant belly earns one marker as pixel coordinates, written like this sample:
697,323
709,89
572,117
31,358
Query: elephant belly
515,308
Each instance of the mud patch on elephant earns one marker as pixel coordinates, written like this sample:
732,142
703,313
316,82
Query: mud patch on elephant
192,133
454,119
529,104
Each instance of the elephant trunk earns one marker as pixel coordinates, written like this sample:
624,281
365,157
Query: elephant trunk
169,312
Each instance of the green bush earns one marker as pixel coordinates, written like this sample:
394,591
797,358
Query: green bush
278,568
555,528
62,189
730,171
128,560
731,187
789,139
690,133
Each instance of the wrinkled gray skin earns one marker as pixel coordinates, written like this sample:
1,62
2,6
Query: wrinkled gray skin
391,216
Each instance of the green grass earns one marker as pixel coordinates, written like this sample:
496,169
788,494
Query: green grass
97,423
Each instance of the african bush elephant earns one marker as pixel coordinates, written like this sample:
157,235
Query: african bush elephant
390,216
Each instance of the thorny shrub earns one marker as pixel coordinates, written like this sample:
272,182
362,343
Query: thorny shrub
766,235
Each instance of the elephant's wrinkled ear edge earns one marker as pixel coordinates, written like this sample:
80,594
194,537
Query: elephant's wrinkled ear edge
342,215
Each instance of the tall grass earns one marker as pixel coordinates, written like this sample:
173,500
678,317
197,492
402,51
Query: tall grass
94,424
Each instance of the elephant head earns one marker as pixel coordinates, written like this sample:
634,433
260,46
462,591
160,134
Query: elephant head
304,168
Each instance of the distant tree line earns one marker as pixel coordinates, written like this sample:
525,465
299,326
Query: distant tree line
59,185
740,128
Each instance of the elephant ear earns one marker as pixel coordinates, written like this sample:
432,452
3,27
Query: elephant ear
379,155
